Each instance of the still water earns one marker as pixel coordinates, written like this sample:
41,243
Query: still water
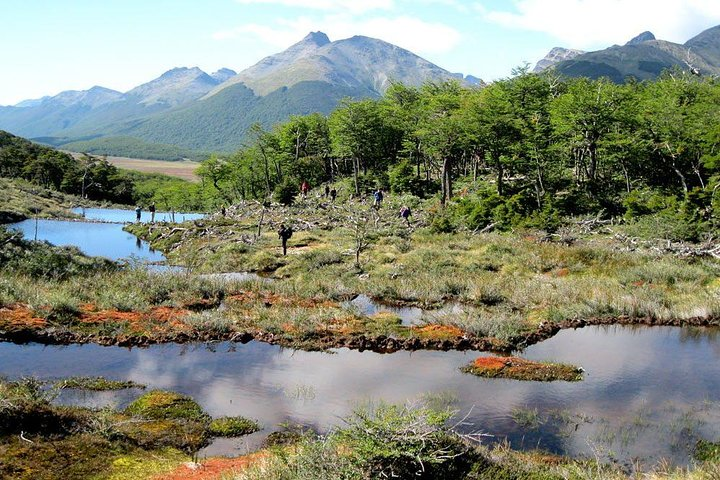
94,239
116,215
648,393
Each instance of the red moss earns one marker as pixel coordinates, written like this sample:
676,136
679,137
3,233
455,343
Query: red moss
20,317
212,468
562,272
521,369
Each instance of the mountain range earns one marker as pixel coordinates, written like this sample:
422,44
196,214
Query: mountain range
186,110
643,57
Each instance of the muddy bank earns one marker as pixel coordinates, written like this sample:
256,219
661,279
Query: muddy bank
379,344
548,330
429,337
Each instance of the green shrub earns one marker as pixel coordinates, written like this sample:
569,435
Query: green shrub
391,441
441,223
162,405
232,427
286,191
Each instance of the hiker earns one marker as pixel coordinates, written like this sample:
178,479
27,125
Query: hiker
304,188
333,194
405,213
222,210
138,213
378,199
152,213
284,233
327,190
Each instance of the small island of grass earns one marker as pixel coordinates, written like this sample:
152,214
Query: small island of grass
521,369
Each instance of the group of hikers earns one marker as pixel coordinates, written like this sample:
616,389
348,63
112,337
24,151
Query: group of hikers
330,193
138,213
285,232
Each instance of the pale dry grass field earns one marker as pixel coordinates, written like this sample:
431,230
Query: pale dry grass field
184,169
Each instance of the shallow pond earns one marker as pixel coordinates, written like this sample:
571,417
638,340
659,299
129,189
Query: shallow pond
117,215
95,239
365,305
648,392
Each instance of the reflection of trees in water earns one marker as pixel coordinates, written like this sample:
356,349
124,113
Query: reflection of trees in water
700,334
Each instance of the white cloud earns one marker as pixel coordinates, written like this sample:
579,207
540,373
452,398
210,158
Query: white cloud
599,23
352,6
411,33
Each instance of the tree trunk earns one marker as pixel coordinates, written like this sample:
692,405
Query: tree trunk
446,180
356,167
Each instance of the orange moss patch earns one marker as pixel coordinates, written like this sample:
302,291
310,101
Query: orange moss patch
438,332
545,458
521,369
562,272
20,317
212,468
346,325
158,320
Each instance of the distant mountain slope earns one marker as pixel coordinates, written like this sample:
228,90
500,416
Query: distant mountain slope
174,87
645,57
55,113
220,122
362,63
191,110
555,56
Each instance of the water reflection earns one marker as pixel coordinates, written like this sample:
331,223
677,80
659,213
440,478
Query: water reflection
407,315
94,239
641,386
116,215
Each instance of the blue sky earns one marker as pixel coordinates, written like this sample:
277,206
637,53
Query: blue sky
55,45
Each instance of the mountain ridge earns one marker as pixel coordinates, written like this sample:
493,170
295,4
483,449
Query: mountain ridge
191,109
645,57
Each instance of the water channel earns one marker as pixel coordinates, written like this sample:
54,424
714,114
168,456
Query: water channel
648,393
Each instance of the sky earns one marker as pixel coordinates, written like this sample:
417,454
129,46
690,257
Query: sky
55,45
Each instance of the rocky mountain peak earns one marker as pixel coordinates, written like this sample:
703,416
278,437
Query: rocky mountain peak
223,74
317,38
643,37
556,55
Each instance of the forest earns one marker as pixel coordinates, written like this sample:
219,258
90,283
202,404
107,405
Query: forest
528,150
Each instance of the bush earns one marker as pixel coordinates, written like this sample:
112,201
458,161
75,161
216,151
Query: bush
402,178
232,427
389,441
441,223
161,405
286,191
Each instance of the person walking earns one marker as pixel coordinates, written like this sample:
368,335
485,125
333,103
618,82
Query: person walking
405,213
152,212
138,213
304,188
378,195
333,194
284,233
327,190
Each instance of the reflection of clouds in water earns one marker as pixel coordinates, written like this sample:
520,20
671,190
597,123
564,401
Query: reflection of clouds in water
630,374
627,371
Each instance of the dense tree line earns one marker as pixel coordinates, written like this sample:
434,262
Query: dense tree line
523,148
93,177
